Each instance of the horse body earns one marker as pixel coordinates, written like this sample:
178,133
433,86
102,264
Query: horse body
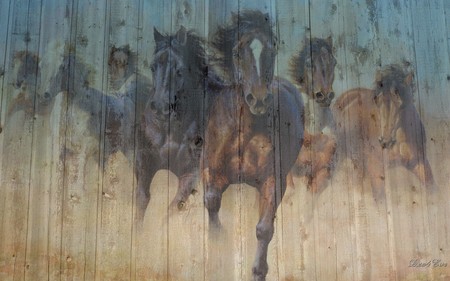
255,127
386,123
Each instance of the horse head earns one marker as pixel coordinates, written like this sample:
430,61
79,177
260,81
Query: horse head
313,70
393,93
176,69
26,74
247,49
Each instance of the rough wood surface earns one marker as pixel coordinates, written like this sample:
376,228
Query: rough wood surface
67,191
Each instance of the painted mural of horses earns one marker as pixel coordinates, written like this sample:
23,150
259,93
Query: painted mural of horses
173,121
387,124
73,79
313,71
253,121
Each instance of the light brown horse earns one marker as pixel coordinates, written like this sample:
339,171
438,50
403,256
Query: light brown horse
386,124
255,126
313,71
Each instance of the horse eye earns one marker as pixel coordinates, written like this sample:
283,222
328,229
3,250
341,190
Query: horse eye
179,73
152,68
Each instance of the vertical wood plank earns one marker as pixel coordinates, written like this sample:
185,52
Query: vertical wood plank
82,180
356,71
224,250
430,46
44,223
296,237
186,260
17,141
5,11
152,242
115,230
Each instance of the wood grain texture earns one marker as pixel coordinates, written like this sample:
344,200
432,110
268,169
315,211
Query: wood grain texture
67,198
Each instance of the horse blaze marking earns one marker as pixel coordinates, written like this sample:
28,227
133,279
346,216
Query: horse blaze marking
256,47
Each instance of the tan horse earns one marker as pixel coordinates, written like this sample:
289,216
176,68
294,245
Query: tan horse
386,124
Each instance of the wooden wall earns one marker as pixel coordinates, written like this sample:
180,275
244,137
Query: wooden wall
67,210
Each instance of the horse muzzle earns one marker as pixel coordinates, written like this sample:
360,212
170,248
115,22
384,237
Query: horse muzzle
324,99
160,108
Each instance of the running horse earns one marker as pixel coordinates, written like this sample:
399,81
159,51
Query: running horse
255,126
387,123
312,69
172,122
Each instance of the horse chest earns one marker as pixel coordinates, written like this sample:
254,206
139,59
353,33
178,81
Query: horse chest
253,156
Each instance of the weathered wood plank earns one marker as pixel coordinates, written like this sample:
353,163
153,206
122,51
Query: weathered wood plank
45,217
5,33
355,66
432,100
82,174
186,260
17,142
115,236
296,238
224,250
152,242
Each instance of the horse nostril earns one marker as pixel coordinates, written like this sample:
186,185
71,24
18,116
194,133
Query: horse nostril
250,99
153,106
268,99
331,96
166,108
198,141
319,96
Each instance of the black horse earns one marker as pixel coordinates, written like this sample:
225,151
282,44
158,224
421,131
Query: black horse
173,121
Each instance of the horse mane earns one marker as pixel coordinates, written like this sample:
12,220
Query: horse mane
310,49
192,51
226,37
395,75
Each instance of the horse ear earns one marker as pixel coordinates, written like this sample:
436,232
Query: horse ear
234,17
329,41
182,36
157,35
409,78
378,78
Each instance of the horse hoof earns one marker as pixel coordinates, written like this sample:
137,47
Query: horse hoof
258,276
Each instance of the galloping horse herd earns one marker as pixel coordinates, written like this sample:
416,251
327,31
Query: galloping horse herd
216,111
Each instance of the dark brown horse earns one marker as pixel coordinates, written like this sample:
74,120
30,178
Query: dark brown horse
387,124
255,127
173,119
313,71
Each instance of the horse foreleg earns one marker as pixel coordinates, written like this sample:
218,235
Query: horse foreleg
145,169
215,186
186,187
320,179
268,204
423,171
